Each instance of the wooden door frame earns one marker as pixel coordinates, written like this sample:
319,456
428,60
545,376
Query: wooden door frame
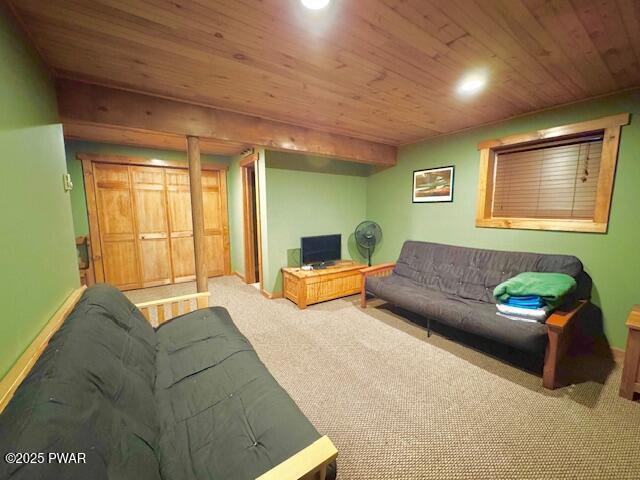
247,213
87,160
226,240
92,214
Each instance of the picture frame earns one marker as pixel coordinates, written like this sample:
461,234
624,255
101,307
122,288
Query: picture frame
433,185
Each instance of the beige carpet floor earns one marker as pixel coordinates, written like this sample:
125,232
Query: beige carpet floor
399,405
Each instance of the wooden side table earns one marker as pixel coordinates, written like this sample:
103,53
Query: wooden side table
630,384
306,287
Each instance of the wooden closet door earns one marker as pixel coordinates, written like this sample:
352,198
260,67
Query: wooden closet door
180,225
152,225
214,198
117,225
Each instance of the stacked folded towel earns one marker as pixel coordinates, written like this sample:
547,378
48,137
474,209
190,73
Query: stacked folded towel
531,296
538,314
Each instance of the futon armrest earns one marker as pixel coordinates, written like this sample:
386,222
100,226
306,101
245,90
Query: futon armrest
174,305
377,269
308,464
382,270
559,332
560,318
633,320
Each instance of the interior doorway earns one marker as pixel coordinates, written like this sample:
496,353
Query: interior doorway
251,209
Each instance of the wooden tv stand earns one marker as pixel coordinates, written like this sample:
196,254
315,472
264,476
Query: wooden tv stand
306,287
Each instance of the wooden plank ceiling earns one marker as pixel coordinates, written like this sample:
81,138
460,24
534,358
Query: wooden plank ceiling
379,70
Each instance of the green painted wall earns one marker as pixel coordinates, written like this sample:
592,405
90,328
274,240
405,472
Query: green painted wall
37,250
78,196
612,259
301,201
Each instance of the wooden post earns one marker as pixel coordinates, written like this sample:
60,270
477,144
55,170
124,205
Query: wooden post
197,213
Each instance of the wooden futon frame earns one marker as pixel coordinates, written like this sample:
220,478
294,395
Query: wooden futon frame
560,326
308,464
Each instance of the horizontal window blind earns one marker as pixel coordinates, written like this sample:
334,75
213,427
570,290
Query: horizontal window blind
553,180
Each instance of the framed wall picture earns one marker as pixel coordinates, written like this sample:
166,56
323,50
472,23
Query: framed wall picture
433,185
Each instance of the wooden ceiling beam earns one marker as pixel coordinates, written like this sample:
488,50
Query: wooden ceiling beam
98,105
146,139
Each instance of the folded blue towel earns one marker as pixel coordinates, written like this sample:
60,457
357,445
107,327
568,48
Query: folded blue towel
529,301
524,303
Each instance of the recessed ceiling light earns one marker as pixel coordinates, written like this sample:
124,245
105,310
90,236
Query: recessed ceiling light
472,83
315,4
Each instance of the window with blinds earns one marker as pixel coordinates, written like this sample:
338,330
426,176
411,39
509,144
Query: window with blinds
558,178
549,180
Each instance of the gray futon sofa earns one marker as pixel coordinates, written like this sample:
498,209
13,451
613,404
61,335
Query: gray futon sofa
190,400
454,286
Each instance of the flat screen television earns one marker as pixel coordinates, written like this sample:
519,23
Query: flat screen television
321,249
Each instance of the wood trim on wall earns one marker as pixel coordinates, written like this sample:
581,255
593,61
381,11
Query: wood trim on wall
610,125
617,354
248,223
602,123
608,161
272,295
249,159
21,368
226,239
92,214
259,207
249,266
584,226
145,162
485,184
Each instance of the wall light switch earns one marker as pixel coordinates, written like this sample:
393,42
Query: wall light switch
66,182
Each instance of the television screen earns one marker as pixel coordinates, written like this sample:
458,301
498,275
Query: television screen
325,248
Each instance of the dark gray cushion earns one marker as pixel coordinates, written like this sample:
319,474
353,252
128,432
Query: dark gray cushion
473,273
91,391
191,400
223,415
454,285
469,315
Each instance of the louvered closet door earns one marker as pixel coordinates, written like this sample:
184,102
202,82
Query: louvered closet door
117,226
152,225
180,225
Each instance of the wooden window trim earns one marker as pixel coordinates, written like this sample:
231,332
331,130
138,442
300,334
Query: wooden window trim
610,125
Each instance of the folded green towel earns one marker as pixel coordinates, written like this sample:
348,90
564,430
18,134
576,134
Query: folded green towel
552,287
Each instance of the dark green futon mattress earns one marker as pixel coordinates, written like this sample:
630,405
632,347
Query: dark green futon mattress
190,400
